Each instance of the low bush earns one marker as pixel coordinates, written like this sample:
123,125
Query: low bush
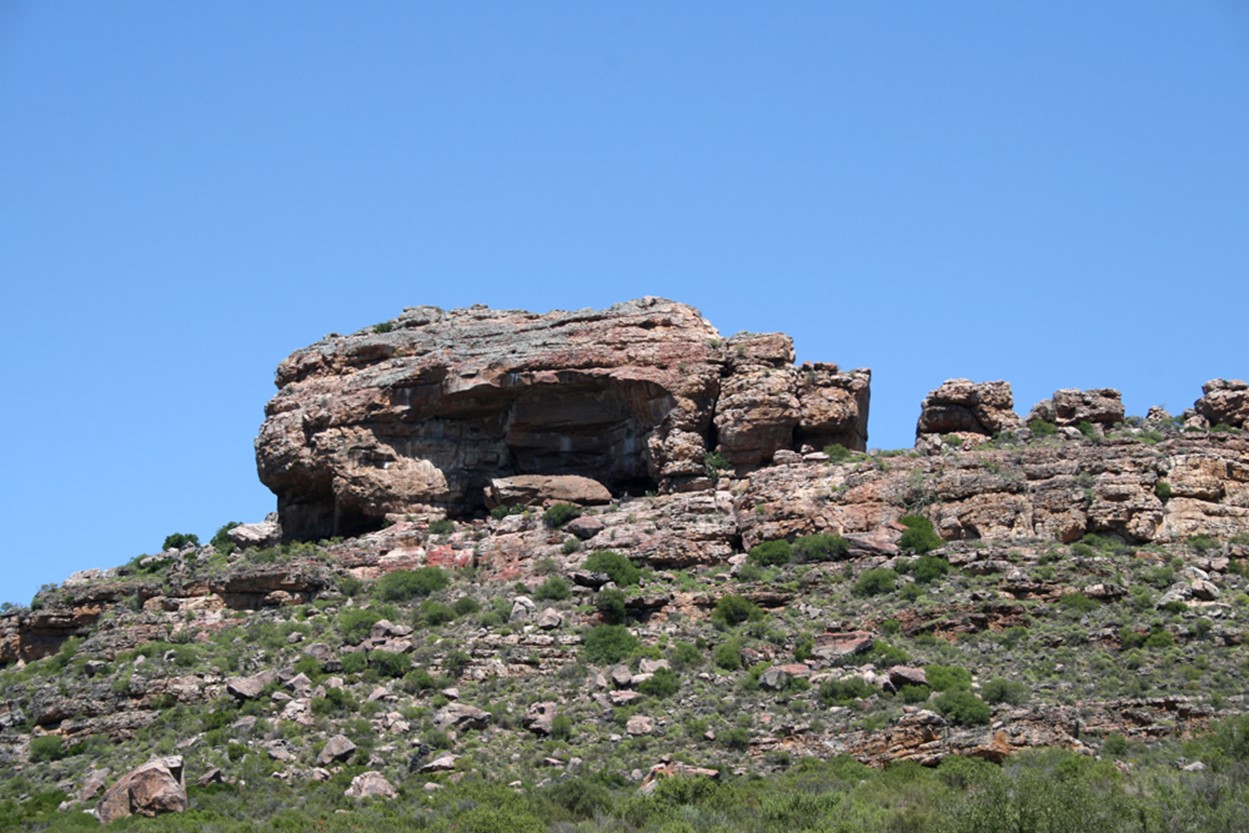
1002,690
948,678
402,585
221,539
929,568
442,526
621,569
964,708
820,547
875,582
845,692
559,514
1077,603
554,589
501,512
663,683
46,748
728,655
734,609
180,541
771,553
608,644
919,536
610,605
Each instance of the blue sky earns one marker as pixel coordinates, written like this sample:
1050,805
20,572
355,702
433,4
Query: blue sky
1056,194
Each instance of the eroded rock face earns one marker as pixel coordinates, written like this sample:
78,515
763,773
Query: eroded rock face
427,412
1224,402
1070,406
961,406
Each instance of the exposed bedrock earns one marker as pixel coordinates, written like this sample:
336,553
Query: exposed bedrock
426,410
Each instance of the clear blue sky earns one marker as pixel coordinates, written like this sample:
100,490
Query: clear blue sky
1056,194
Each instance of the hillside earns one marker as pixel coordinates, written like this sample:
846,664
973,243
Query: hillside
539,550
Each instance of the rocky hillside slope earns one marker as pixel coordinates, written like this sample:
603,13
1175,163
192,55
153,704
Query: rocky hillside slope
530,545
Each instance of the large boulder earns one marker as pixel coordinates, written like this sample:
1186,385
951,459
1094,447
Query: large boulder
1224,402
425,411
544,489
961,406
1070,406
157,787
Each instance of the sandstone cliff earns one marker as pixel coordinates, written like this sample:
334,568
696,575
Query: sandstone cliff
424,411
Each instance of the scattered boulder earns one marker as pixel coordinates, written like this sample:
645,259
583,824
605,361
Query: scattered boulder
149,790
538,718
338,748
443,763
550,619
667,768
267,533
640,724
461,716
830,646
370,784
249,688
900,675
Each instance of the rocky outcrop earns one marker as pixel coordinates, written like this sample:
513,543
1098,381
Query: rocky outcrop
1224,402
154,788
1070,407
960,406
427,410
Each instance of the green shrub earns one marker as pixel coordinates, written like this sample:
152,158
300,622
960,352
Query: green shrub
948,678
838,453
180,541
610,605
431,614
844,692
389,663
919,536
1002,690
354,623
913,694
402,585
685,655
465,605
571,544
1160,638
728,655
882,655
1115,745
354,662
442,526
963,707
664,683
608,644
736,739
561,727
929,568
1162,489
734,609
875,582
820,547
714,463
771,553
1042,428
620,569
554,589
46,748
384,327
221,540
1077,603
559,514
1202,543
501,512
